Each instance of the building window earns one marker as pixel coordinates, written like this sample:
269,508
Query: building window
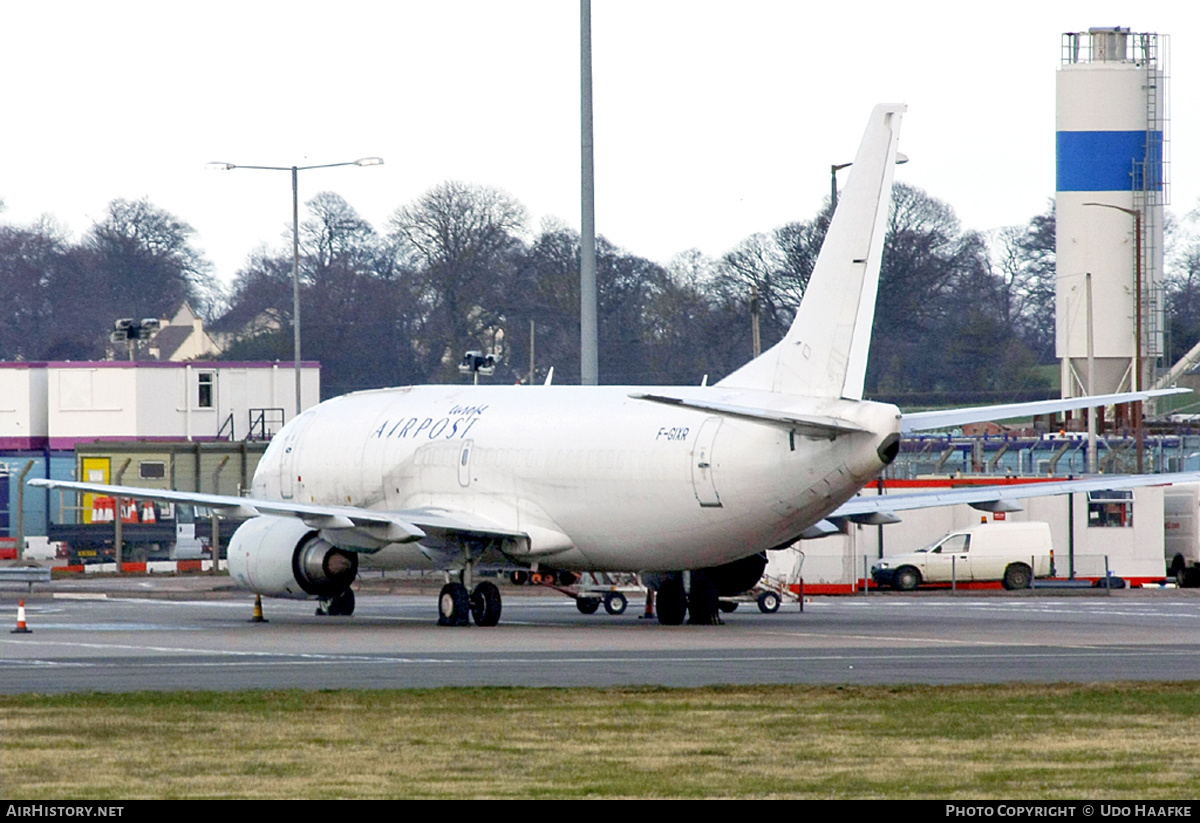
207,380
1110,507
152,469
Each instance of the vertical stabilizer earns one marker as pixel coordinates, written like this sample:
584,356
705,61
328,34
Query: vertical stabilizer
824,353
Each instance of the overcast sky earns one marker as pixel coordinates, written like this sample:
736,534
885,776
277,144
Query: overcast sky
713,120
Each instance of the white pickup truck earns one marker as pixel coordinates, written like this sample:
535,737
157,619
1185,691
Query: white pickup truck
1013,553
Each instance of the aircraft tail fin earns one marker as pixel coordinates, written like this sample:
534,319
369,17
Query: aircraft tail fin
824,354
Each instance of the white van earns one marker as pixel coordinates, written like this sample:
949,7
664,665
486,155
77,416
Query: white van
1013,553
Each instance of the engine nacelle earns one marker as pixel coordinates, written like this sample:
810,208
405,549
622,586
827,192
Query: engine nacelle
738,576
727,580
282,557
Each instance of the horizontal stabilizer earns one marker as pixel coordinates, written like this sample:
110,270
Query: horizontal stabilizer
822,528
947,418
1000,497
808,425
876,518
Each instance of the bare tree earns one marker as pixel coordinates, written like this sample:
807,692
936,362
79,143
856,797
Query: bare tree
145,257
336,237
1023,258
29,259
462,243
1182,286
938,305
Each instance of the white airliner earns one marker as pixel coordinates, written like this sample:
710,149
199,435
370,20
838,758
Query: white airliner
701,480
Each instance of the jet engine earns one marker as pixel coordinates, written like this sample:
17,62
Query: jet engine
282,557
727,580
738,576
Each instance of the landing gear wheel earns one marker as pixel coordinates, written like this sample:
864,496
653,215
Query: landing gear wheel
672,603
587,605
703,608
519,577
454,605
615,603
768,602
728,606
1017,576
485,604
341,605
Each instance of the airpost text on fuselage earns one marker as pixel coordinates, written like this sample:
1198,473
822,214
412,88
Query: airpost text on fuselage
457,422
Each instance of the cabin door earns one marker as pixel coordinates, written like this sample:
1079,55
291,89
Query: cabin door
287,461
702,463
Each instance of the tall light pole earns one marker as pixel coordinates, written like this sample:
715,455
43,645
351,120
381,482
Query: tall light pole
295,170
589,323
834,168
1138,426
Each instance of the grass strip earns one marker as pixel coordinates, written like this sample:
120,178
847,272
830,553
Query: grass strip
1107,741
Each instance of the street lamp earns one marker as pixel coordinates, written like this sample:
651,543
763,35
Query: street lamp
295,170
477,363
129,331
1138,427
901,159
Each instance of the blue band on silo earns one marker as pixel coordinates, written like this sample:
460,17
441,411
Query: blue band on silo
1107,160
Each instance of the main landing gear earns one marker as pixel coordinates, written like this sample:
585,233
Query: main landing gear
340,605
457,606
700,605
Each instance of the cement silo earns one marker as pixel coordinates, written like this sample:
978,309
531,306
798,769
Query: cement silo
1110,194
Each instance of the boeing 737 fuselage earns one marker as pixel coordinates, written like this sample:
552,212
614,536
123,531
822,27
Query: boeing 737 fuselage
581,478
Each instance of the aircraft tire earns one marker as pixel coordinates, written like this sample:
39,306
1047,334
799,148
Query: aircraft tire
454,605
671,602
341,604
485,604
703,608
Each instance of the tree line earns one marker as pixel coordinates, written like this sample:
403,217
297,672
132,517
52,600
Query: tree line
960,314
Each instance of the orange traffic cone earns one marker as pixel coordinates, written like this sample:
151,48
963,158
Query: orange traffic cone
107,507
21,627
148,513
258,613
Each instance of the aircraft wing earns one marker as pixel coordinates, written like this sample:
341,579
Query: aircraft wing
348,527
868,508
945,418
